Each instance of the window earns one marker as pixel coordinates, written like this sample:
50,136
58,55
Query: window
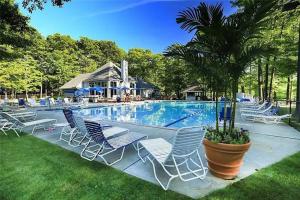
92,84
113,84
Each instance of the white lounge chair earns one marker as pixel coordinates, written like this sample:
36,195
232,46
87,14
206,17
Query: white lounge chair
73,132
68,131
24,116
255,108
182,153
264,111
67,102
267,119
17,126
5,125
100,145
81,133
32,103
53,102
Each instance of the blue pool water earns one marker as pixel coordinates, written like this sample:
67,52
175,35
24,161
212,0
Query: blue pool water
163,114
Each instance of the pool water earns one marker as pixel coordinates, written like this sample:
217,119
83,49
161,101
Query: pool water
163,114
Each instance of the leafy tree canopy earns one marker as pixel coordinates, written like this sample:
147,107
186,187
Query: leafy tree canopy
32,5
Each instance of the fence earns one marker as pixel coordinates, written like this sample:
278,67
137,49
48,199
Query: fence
287,107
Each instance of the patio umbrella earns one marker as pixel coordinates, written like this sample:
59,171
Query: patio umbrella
124,88
81,91
120,88
114,88
97,89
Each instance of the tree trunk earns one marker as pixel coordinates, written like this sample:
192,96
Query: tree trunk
271,80
259,80
250,84
243,89
178,94
41,88
234,91
297,113
217,115
5,95
266,80
225,110
26,94
287,96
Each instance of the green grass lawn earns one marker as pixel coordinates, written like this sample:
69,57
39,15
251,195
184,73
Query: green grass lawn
34,169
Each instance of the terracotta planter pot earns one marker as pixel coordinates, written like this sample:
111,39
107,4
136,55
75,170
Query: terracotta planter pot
225,160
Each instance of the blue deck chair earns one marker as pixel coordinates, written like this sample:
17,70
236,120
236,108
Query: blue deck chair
21,102
99,145
228,114
274,111
69,130
73,133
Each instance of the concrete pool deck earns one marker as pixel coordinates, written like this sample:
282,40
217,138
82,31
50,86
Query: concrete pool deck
270,144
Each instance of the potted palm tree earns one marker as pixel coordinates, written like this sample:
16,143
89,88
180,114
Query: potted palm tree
221,48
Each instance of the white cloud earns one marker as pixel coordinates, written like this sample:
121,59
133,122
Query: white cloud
129,6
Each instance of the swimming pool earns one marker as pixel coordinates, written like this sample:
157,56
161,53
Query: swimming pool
164,114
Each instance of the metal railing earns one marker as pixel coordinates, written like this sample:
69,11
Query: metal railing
290,104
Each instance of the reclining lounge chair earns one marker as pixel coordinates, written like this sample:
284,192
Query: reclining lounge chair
18,126
183,153
100,145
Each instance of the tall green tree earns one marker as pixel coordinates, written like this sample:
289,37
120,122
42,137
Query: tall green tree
14,29
222,42
32,5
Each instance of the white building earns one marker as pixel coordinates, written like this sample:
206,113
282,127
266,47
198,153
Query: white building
112,79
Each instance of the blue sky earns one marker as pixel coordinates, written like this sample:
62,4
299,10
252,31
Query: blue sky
149,24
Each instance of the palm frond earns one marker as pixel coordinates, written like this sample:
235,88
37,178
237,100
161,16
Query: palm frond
200,17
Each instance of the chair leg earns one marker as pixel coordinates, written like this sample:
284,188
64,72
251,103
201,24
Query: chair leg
3,131
107,153
200,167
78,139
66,131
135,146
15,129
139,148
94,153
73,135
165,187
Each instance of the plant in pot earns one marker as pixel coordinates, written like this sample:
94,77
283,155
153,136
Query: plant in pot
221,50
225,150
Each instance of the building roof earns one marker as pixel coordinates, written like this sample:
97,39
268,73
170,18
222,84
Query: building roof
75,82
193,89
109,71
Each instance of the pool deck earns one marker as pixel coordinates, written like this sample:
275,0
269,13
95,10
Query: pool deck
270,144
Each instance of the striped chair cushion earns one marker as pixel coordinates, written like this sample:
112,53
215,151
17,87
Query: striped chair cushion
95,131
69,116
